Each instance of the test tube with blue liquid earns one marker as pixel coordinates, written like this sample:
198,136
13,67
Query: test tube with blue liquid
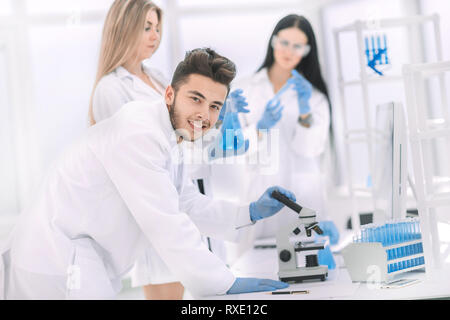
411,238
384,235
408,238
405,248
403,238
370,234
379,46
402,249
419,248
389,240
400,240
373,45
366,41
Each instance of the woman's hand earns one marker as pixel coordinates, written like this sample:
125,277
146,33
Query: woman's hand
304,91
272,114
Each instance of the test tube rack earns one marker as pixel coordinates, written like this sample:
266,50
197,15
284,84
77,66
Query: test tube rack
381,252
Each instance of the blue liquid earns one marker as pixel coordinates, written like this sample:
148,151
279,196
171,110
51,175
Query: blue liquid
386,60
421,260
366,42
396,233
232,137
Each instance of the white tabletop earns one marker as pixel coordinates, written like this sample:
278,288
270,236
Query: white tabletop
263,263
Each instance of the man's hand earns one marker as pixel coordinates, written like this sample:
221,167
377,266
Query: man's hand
267,206
245,285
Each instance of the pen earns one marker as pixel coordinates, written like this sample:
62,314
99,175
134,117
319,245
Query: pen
290,292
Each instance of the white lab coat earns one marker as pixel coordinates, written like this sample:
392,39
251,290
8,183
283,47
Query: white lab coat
118,188
112,92
198,167
294,163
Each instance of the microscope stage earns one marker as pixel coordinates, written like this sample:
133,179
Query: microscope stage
303,274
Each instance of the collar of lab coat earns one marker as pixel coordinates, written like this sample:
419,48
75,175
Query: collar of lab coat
138,84
261,76
123,73
161,126
164,120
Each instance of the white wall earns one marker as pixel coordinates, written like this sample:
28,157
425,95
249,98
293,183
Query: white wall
241,31
8,191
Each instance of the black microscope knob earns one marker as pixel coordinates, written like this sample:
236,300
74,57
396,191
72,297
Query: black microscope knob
312,260
296,231
285,255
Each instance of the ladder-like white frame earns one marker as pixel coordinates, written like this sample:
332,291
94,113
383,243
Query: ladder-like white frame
421,133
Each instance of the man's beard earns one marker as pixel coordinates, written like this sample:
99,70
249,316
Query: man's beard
180,130
173,116
174,119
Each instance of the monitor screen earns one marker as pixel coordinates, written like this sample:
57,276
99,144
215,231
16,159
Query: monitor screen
390,167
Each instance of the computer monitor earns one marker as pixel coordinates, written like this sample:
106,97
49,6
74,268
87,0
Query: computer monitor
390,176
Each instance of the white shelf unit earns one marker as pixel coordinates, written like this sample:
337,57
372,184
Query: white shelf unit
368,133
421,137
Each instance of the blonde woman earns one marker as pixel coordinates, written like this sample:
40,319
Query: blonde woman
132,34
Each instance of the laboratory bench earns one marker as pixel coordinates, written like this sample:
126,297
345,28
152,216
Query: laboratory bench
263,263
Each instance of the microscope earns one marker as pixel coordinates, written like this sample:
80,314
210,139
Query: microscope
287,257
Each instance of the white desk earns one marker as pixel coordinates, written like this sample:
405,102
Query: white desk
262,263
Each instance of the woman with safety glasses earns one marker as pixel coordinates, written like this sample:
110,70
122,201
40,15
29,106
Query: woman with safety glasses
289,117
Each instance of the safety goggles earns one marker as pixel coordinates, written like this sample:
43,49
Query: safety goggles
298,49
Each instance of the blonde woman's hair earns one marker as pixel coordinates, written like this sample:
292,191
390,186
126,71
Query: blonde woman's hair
122,31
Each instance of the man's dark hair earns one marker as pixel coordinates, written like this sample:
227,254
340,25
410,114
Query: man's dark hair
205,62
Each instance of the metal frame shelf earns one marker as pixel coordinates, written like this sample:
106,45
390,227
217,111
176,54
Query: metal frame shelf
367,134
421,134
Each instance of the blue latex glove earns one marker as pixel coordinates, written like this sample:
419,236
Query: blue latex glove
329,229
267,206
238,100
245,285
326,258
272,114
304,91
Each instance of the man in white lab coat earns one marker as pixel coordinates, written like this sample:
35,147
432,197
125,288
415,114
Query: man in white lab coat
120,188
